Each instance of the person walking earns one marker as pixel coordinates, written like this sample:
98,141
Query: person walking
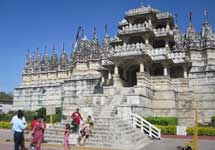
38,132
76,120
66,137
13,120
18,130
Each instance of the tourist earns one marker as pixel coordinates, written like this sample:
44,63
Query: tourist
33,123
76,120
24,122
18,130
89,120
66,137
85,132
38,132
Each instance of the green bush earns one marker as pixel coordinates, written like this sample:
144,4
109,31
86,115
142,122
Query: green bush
41,111
5,125
205,131
29,115
167,130
163,120
6,117
213,121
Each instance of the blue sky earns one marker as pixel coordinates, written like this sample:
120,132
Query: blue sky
32,24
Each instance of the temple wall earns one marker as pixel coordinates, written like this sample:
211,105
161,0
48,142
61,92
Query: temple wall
34,97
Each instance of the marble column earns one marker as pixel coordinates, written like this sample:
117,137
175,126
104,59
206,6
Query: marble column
185,72
147,41
116,70
166,43
141,67
165,71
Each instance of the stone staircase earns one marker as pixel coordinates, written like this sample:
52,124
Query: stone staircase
113,132
109,131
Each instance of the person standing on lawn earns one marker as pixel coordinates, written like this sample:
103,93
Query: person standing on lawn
76,120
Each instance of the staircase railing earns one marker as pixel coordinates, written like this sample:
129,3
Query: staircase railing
145,126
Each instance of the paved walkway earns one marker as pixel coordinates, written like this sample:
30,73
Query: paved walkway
163,144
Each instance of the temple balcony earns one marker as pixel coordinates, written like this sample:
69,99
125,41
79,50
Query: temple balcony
164,15
163,32
136,28
158,53
129,49
177,57
140,11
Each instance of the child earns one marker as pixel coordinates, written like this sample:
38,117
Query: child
86,131
66,137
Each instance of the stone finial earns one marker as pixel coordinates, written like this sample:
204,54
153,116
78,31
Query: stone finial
206,15
53,47
190,17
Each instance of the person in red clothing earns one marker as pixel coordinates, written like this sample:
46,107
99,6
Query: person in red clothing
33,122
76,120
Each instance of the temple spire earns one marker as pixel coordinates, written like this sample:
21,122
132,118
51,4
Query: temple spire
190,17
206,15
63,47
176,19
53,47
106,31
82,33
45,50
94,32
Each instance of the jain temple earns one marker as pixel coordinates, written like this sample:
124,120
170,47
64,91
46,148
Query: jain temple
149,68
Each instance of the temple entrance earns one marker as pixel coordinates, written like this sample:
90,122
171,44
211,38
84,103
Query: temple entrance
129,75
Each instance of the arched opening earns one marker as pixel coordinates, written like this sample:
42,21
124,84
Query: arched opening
158,44
132,75
176,72
156,69
136,39
129,75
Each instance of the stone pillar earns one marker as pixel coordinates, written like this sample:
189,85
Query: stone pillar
116,70
185,72
141,67
147,41
165,71
167,26
103,80
109,75
166,43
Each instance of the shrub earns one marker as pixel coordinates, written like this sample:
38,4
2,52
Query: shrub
205,131
5,125
163,120
213,121
41,111
167,130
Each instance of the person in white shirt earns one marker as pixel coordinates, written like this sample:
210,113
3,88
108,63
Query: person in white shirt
18,125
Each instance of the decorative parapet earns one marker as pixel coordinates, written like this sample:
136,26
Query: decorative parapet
162,32
158,53
136,28
129,49
177,57
164,15
140,11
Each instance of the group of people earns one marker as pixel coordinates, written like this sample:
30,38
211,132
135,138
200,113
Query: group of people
37,131
83,130
38,126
